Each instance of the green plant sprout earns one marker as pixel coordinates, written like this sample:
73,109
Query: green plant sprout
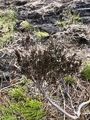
41,34
73,19
25,25
69,79
86,72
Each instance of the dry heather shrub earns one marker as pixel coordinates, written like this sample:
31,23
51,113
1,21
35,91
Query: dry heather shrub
47,62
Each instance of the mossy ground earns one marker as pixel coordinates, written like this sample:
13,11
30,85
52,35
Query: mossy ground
7,22
18,104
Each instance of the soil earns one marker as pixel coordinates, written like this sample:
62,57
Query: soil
43,15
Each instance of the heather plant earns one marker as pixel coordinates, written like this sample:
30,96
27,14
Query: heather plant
47,63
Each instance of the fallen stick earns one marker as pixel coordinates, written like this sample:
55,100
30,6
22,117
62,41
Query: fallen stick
77,113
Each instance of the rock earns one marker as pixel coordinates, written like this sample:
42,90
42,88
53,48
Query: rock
20,2
50,28
42,15
83,9
34,15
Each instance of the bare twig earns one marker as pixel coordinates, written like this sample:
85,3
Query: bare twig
63,100
70,100
78,112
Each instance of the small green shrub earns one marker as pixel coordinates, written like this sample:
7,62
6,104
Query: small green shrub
86,72
42,34
69,79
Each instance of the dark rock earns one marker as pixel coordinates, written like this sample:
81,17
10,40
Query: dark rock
20,2
42,16
50,28
81,41
85,20
34,15
83,9
82,5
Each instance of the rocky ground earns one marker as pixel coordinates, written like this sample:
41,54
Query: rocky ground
67,23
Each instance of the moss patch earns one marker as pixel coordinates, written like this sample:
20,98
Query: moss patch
25,25
41,34
19,105
7,22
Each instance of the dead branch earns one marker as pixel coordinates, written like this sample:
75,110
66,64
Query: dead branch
77,113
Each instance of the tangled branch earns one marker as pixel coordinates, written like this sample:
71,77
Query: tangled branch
77,113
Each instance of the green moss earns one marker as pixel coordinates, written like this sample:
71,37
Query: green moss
7,22
16,93
86,72
33,110
28,110
20,106
26,25
69,79
42,34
